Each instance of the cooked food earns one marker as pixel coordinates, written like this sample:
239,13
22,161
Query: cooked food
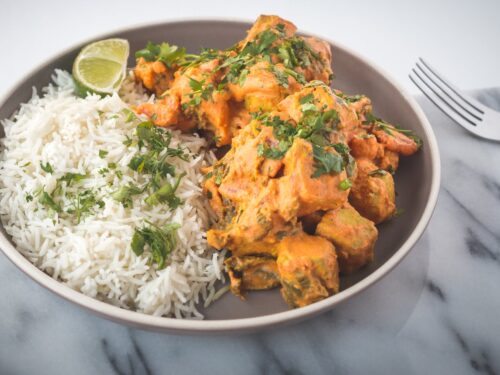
252,272
308,269
372,192
353,236
140,212
79,198
220,88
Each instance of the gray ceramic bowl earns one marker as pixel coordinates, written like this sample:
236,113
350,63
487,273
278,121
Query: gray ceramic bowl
417,183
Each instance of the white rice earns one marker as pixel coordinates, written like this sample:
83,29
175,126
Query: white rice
94,256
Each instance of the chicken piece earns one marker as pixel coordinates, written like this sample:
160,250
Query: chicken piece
243,177
299,188
153,75
359,103
394,140
372,193
239,117
261,90
214,116
265,22
389,161
193,100
320,67
354,237
199,99
251,273
166,110
366,146
308,269
255,227
212,192
252,221
322,98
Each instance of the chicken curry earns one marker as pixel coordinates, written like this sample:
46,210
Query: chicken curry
305,171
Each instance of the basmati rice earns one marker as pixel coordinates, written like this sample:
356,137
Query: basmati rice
94,256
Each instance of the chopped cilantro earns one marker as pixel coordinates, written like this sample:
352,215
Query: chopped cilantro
47,167
128,141
84,204
261,45
389,129
281,76
345,184
309,98
200,91
243,77
398,212
308,107
275,153
70,177
151,161
166,194
195,85
125,193
131,116
326,162
161,241
166,53
46,200
218,173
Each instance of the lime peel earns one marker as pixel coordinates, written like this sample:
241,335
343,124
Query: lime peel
100,67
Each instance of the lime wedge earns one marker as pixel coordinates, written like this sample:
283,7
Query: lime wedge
100,67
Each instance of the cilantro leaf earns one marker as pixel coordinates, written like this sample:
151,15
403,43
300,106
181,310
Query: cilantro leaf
138,243
166,194
84,204
326,162
309,98
164,52
345,184
275,153
47,201
195,85
125,193
370,118
161,241
70,177
47,167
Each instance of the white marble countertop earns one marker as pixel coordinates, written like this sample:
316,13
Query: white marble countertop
436,313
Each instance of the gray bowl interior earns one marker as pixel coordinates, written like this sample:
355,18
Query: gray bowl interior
353,76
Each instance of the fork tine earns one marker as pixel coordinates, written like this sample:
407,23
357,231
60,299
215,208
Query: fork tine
449,104
465,98
440,103
438,82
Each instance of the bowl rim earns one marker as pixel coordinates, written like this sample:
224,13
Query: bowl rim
149,322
